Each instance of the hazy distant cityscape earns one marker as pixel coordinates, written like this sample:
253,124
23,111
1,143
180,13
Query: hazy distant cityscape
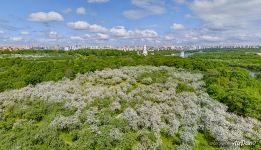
128,48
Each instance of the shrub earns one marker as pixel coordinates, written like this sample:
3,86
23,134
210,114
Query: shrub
66,123
183,87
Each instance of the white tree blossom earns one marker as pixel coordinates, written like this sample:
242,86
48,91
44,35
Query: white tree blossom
115,134
145,105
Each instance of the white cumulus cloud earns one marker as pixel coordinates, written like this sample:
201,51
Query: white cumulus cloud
79,25
97,28
227,13
147,33
81,11
145,8
120,31
82,25
46,17
231,20
176,26
102,36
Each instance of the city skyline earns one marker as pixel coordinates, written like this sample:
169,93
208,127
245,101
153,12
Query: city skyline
132,22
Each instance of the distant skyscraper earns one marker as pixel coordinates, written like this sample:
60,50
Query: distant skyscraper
145,52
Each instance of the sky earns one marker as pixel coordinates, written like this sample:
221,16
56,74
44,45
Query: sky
130,22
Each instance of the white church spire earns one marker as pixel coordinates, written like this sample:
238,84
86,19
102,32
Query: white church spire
145,52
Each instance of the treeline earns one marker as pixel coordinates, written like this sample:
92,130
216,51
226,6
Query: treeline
97,52
83,52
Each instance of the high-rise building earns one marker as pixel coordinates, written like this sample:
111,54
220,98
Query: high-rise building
145,51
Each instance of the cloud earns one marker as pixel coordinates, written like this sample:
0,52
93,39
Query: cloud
77,38
79,25
210,38
53,35
188,16
169,37
82,25
154,6
147,33
135,14
87,36
24,33
102,36
176,26
145,8
181,1
46,17
227,13
98,1
120,31
93,37
16,39
117,32
230,20
97,28
81,11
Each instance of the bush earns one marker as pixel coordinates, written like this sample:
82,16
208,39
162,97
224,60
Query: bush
33,79
183,87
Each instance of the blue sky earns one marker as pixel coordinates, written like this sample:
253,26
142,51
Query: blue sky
130,22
